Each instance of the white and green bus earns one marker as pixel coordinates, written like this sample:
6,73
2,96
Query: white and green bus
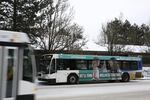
72,68
17,67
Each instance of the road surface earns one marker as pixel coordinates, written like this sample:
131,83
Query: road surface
134,90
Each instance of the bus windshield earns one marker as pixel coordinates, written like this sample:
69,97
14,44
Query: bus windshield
45,61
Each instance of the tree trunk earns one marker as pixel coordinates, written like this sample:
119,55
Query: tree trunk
14,15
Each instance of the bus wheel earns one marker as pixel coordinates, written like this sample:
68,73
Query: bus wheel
125,77
72,79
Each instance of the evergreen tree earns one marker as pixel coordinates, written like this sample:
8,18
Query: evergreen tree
117,33
113,36
19,15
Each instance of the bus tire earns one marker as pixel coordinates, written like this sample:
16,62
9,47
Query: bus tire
72,79
125,77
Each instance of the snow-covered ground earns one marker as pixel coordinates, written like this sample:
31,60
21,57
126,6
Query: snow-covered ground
146,72
61,91
50,92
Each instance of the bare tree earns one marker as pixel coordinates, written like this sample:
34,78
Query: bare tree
58,32
75,40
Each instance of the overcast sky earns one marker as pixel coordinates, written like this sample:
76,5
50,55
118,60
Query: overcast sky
91,14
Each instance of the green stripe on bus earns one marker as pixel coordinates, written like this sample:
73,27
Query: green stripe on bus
87,75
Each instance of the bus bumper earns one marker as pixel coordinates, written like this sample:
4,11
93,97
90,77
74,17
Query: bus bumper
138,75
26,97
47,80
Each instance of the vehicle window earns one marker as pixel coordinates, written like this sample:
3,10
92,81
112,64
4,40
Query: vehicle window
10,72
27,66
129,65
61,64
81,64
44,64
90,67
52,66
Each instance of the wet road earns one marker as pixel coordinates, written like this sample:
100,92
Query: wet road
134,90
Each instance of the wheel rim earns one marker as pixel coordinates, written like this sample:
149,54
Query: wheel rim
72,79
125,78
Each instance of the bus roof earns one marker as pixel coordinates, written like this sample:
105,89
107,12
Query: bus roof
90,57
13,37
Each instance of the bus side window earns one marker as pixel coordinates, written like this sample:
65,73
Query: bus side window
108,66
70,64
114,66
102,66
125,65
118,64
61,64
81,64
134,65
90,65
139,65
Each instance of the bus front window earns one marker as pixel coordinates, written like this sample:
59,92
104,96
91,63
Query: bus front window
45,61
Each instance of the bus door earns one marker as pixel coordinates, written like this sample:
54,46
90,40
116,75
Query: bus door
10,59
